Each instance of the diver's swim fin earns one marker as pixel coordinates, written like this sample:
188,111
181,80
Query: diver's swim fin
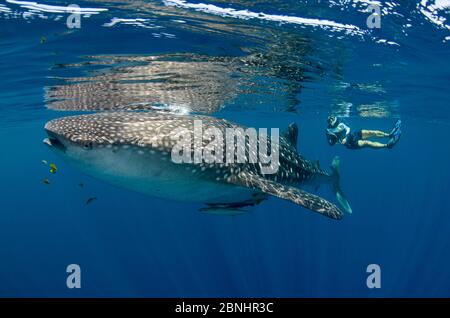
340,197
394,138
300,197
396,128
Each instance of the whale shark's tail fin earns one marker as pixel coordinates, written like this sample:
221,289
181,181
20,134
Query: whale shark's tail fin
340,197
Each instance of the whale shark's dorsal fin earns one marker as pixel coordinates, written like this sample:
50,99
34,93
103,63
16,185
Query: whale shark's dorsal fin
303,198
291,134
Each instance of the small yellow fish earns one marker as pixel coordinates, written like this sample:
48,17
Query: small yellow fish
46,181
53,168
43,39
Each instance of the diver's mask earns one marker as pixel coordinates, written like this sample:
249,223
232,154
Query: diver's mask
332,121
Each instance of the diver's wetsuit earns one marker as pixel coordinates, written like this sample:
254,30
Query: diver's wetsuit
352,140
342,131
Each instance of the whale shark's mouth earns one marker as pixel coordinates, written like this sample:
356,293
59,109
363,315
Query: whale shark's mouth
53,141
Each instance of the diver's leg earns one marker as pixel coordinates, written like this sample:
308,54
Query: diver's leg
365,134
371,144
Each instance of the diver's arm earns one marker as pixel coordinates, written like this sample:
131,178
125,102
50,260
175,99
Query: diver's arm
338,134
342,127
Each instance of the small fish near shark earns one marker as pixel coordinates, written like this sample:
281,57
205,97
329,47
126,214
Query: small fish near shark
133,150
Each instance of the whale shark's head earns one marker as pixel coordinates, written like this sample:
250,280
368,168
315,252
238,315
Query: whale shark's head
74,137
99,141
115,143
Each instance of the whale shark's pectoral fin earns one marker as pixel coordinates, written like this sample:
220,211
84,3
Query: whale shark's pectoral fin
303,198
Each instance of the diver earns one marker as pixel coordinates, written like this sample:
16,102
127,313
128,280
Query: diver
339,132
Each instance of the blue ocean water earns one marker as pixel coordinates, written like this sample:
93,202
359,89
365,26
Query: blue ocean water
257,63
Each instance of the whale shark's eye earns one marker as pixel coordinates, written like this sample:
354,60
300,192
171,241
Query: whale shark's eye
87,146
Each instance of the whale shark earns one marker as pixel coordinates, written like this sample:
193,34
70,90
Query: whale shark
134,150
